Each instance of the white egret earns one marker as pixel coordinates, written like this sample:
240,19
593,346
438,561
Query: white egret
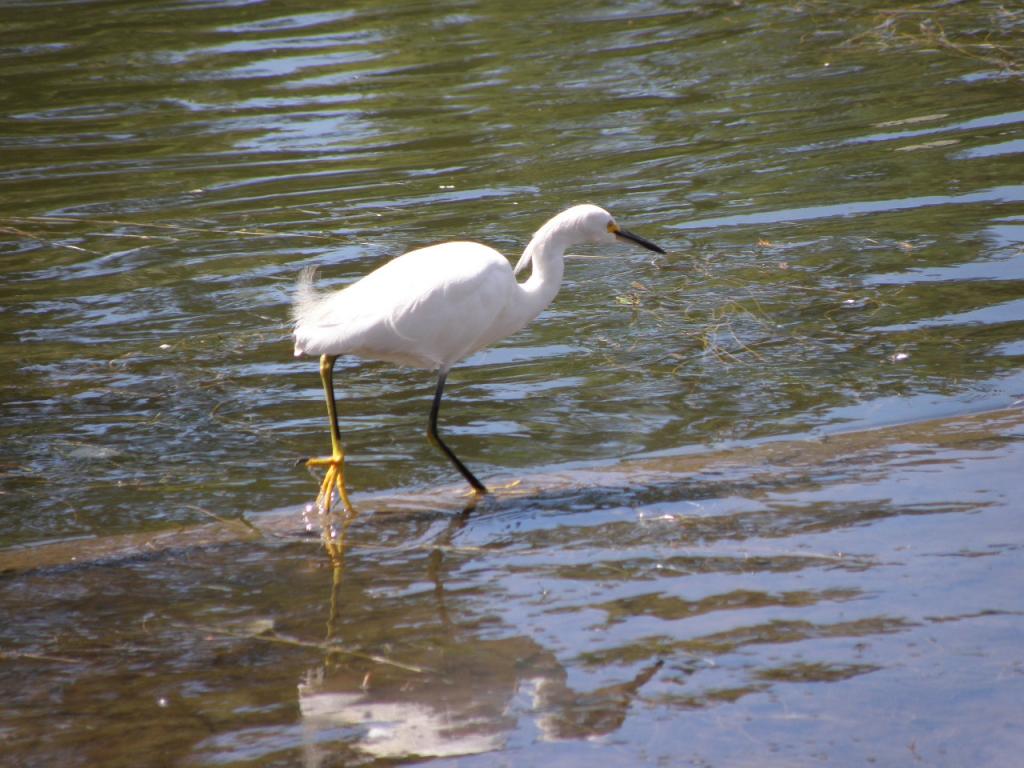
433,307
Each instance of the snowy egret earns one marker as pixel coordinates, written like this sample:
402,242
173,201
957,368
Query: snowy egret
432,307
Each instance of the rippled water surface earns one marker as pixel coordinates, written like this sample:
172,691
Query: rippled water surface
768,507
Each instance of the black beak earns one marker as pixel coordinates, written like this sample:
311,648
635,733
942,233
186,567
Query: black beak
627,236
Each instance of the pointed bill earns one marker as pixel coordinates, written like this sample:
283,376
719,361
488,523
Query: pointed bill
626,236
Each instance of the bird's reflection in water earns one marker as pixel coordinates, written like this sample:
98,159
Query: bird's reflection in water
462,694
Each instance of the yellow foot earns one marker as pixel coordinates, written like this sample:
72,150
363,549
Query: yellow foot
334,478
474,497
477,495
332,528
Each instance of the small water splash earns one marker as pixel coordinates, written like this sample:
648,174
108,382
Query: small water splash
307,517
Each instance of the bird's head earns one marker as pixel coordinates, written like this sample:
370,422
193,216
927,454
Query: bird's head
593,224
580,224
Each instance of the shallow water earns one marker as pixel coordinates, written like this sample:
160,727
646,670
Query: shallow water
839,196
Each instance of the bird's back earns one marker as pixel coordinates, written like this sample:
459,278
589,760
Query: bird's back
427,308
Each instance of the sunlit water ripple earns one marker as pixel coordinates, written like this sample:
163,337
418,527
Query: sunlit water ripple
837,190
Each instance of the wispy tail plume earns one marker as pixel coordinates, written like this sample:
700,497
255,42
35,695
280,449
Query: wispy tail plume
306,295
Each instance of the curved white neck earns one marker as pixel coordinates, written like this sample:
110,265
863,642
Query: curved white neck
545,254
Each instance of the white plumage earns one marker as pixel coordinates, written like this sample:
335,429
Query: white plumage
434,306
429,308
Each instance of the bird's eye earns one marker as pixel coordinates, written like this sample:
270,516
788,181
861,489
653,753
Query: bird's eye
612,226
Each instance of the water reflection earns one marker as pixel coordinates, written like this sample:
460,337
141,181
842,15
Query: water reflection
461,693
171,166
772,580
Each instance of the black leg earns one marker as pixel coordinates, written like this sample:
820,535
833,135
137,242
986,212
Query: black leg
436,438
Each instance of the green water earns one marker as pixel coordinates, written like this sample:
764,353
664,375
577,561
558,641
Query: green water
838,188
